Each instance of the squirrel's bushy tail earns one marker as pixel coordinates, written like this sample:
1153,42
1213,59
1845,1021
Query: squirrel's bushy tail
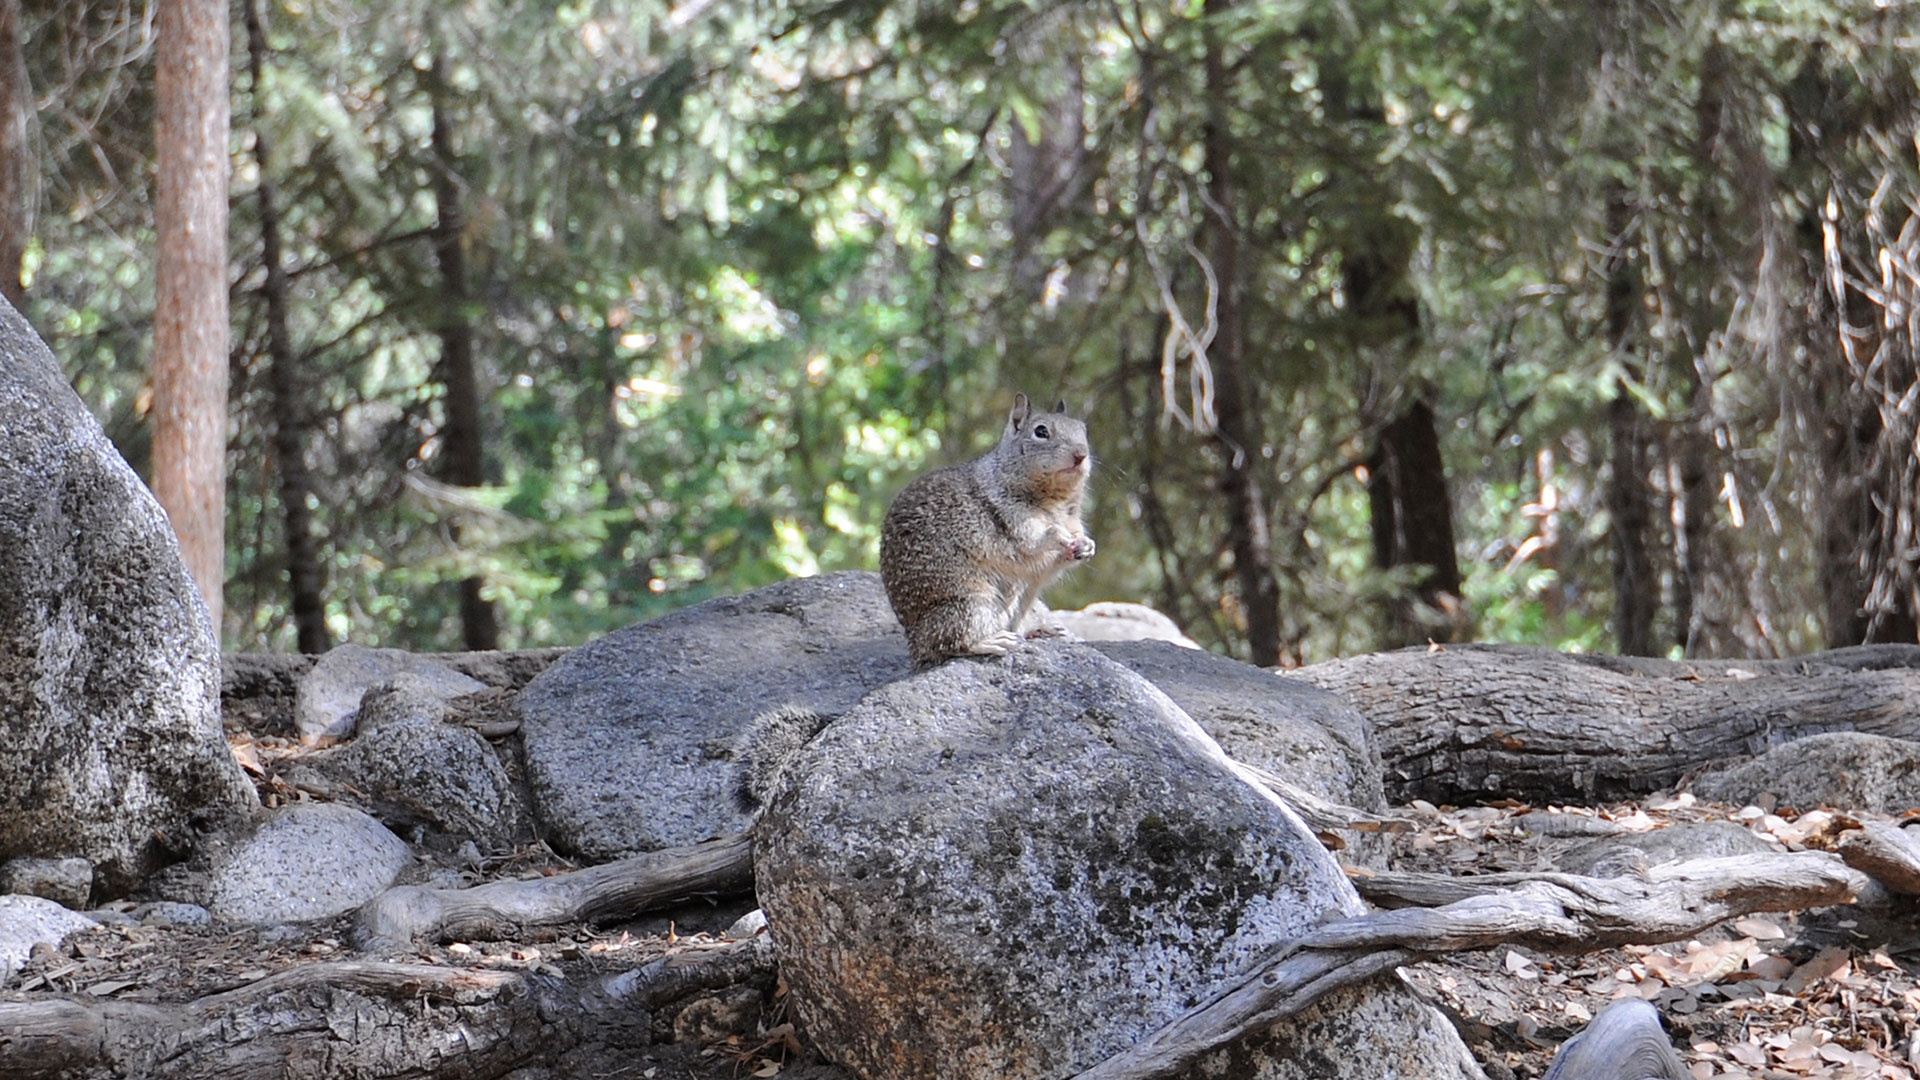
768,750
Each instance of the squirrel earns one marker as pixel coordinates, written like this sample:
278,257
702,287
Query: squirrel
965,550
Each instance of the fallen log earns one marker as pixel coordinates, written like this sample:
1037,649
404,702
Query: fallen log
1463,723
366,1019
503,909
355,1018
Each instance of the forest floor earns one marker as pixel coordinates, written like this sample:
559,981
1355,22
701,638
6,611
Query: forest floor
1830,993
1824,994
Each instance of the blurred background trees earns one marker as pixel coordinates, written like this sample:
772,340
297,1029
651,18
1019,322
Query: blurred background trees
1590,325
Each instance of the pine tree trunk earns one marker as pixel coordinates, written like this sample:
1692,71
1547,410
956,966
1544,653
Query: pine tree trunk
1412,525
306,578
461,446
1636,591
15,102
1239,429
190,303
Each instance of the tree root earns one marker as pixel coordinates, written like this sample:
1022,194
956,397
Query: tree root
1558,912
504,909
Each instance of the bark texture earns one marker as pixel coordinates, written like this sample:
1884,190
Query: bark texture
1636,589
1238,429
370,1020
1470,722
1411,518
16,103
190,303
462,448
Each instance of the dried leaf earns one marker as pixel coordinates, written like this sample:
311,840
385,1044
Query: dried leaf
1760,929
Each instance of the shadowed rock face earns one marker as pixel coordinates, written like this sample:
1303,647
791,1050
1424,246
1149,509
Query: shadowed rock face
1015,868
109,671
629,739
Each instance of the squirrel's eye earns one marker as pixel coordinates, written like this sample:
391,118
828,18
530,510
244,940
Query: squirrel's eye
1040,432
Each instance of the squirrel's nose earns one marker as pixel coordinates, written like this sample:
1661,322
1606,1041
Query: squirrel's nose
1079,457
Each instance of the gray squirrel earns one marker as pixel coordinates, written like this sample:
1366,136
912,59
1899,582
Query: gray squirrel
964,553
966,550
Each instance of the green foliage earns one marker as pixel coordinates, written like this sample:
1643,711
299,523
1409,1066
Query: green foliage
742,269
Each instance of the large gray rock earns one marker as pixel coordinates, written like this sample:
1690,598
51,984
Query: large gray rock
1846,769
26,921
306,861
1016,868
629,739
109,670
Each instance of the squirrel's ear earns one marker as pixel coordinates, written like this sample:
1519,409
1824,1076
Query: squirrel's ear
1060,406
1020,410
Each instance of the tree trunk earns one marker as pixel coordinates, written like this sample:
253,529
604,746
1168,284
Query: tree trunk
190,303
461,446
1636,589
16,102
1238,423
306,578
1412,525
1470,722
1047,166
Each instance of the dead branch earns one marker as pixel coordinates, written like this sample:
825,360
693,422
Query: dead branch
692,970
1323,815
1886,853
504,909
1559,912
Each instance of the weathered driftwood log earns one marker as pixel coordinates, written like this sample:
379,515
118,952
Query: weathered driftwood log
1625,1042
394,1020
1560,912
503,909
1462,723
1886,853
364,1019
1571,913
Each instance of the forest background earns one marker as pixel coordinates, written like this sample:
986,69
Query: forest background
1583,324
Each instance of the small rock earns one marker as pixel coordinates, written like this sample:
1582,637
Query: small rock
174,913
1872,773
419,774
747,925
1112,621
26,921
1626,854
729,1013
329,699
308,861
66,882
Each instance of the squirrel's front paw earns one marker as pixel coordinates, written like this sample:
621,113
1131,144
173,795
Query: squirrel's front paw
1080,549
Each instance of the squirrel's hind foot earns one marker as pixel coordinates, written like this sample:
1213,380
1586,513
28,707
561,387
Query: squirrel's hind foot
999,643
